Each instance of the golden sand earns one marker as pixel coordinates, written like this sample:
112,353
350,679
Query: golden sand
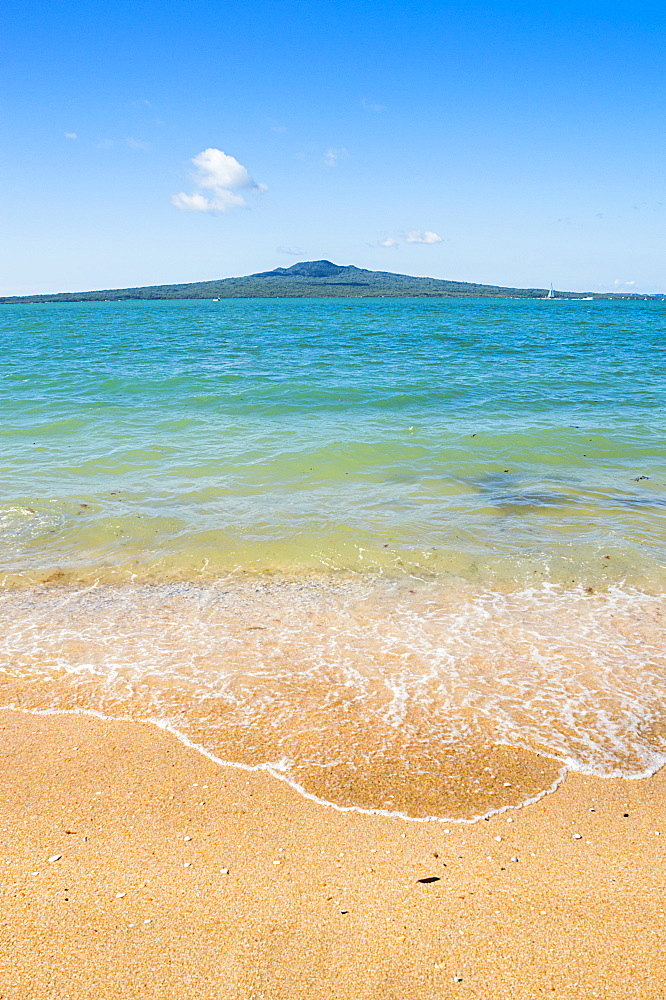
275,897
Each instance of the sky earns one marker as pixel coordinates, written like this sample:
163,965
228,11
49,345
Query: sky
158,142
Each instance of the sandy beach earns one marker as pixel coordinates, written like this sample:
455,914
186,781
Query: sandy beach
133,866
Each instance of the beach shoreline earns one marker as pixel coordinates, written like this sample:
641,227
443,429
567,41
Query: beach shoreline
277,896
402,700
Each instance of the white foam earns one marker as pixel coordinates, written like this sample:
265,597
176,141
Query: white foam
575,677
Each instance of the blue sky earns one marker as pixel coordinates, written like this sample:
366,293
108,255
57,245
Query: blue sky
511,143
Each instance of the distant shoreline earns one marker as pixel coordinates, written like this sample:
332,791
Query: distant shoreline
64,298
317,279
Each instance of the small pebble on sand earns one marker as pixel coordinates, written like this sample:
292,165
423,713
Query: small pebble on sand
498,839
187,838
514,858
120,895
577,836
224,871
55,857
187,864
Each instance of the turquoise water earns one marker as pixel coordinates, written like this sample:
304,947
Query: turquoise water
347,540
493,440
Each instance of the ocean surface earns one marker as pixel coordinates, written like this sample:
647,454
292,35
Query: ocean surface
389,549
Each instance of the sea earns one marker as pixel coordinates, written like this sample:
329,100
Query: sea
406,554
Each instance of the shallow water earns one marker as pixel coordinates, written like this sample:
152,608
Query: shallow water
378,545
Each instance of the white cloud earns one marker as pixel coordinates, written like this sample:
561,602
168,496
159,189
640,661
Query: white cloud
291,251
412,236
618,282
137,143
216,169
371,107
197,202
221,175
418,236
71,135
333,156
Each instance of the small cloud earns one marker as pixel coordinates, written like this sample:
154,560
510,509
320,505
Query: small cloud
412,236
197,202
142,103
137,144
221,175
624,284
419,236
372,108
291,251
71,135
216,170
333,156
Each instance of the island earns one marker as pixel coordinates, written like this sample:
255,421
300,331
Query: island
312,279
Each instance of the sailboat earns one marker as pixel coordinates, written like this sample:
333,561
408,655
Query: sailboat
551,293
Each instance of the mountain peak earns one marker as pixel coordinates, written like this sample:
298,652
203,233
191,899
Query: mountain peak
316,269
306,269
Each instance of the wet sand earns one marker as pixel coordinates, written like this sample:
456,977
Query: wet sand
275,896
365,692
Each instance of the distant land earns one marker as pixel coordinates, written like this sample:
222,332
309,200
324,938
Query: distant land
311,279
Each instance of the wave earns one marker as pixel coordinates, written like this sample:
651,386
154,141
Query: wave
405,697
